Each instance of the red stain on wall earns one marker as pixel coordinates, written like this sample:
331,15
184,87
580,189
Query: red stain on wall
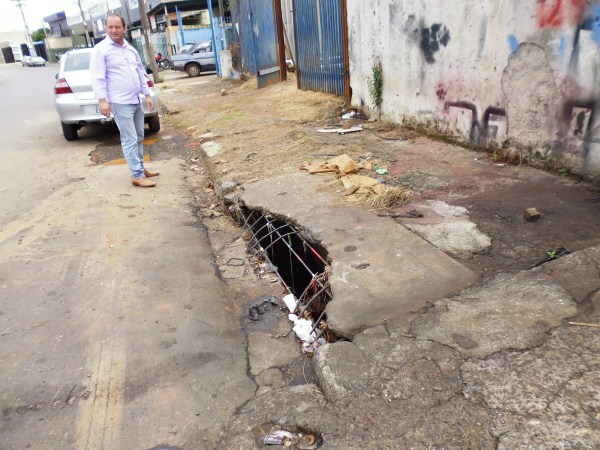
556,13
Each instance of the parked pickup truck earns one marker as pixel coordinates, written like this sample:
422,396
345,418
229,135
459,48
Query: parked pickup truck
194,58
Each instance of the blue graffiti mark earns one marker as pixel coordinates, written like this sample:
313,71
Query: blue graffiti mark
513,43
562,48
596,25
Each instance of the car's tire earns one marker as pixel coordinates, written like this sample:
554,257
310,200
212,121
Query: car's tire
193,70
154,124
69,131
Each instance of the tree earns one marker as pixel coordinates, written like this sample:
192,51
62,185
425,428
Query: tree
40,34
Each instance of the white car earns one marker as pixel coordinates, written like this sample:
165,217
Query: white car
36,61
74,97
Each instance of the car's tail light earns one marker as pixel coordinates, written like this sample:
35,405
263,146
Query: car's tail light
62,87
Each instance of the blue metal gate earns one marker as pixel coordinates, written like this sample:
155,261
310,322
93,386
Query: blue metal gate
322,46
259,40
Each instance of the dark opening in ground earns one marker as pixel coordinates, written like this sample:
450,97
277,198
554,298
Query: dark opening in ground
301,265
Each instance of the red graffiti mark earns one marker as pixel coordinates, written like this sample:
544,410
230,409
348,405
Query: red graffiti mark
556,13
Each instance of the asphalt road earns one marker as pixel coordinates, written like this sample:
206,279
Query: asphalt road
32,145
115,332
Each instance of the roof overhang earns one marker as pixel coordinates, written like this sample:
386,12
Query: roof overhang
158,6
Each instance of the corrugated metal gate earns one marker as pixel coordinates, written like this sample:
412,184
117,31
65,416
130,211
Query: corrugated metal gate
259,40
322,46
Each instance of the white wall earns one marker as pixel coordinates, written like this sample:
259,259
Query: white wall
525,72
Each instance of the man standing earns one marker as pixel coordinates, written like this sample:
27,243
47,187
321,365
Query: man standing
118,79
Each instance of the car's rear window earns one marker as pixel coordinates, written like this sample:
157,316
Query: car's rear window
77,61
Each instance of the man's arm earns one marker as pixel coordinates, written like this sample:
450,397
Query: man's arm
98,76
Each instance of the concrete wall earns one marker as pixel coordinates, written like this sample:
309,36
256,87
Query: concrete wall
524,73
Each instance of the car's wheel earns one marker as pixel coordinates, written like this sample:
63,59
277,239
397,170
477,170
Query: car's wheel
193,70
154,124
69,131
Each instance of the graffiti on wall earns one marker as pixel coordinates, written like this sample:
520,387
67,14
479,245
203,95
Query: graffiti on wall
483,131
557,13
431,38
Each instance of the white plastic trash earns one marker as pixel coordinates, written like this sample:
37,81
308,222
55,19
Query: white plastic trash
303,329
290,302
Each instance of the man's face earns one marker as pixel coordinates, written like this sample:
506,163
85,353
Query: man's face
115,29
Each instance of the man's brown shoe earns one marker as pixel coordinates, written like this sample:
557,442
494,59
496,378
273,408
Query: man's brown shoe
149,173
142,182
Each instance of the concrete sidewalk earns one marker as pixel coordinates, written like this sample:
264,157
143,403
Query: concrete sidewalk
403,272
445,347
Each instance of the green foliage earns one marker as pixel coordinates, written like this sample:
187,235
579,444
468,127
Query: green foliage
39,34
552,255
564,171
375,84
548,163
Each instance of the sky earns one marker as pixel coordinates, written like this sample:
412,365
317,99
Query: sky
35,11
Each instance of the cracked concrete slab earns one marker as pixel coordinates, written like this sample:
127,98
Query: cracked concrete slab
388,390
404,272
512,311
448,228
551,388
338,367
266,351
578,273
231,260
406,392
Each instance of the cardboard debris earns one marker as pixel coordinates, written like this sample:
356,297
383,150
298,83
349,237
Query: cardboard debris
349,191
342,164
364,184
359,188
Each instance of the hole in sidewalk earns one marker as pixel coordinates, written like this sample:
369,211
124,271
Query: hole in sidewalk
301,266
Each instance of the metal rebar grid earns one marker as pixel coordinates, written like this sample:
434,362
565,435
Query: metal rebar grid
263,238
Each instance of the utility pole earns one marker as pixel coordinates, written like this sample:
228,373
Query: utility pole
146,39
88,41
19,4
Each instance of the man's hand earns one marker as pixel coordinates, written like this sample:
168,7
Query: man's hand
150,103
104,107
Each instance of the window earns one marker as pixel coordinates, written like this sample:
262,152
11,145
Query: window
77,61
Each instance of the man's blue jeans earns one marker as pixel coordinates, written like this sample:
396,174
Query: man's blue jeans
130,120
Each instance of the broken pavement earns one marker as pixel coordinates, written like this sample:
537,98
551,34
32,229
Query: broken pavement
454,347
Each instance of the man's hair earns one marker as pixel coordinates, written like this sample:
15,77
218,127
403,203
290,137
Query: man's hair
115,15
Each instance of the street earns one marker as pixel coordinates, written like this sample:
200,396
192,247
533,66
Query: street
113,324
